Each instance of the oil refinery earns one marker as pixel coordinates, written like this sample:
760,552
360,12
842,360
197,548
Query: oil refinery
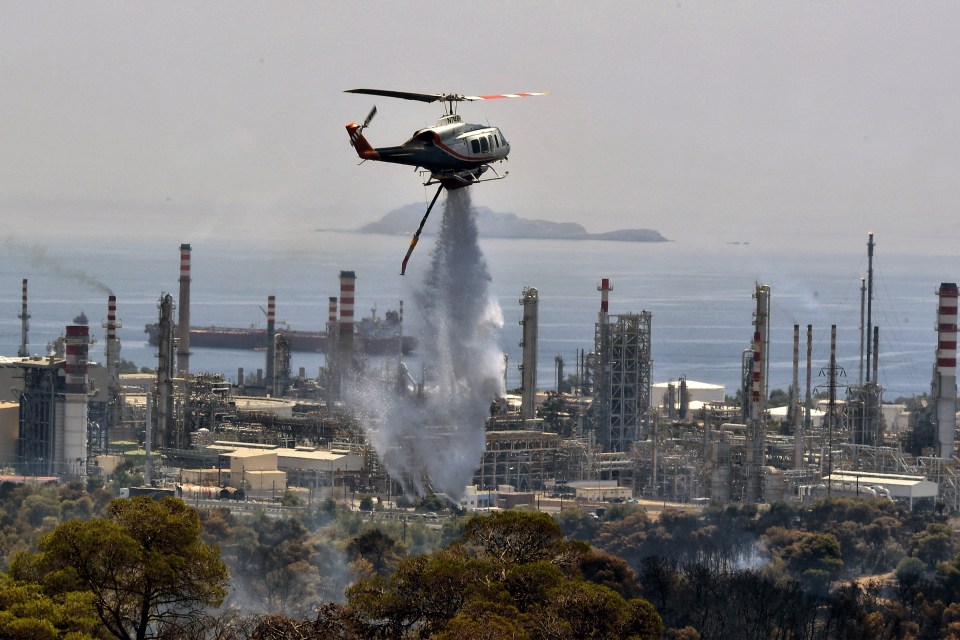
605,432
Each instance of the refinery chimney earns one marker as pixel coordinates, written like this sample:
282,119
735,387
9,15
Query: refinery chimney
71,449
271,342
112,353
348,283
795,404
183,323
754,446
761,342
163,434
945,373
331,346
23,352
605,288
528,368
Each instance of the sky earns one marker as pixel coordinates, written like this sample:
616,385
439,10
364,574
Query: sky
802,123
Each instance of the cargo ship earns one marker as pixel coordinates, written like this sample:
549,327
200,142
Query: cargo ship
372,336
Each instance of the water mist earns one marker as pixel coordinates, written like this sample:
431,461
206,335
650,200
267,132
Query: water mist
435,442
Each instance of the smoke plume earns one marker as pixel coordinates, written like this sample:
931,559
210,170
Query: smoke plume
435,442
37,256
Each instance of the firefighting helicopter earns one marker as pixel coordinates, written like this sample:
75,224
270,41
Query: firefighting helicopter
453,153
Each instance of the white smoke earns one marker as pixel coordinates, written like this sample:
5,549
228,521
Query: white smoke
435,442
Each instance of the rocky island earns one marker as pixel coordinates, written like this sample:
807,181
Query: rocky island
404,221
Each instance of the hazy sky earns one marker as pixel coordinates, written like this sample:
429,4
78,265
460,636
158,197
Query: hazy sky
793,122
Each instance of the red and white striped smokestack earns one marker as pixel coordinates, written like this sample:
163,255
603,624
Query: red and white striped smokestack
348,283
605,288
183,325
947,329
23,352
945,374
77,345
332,311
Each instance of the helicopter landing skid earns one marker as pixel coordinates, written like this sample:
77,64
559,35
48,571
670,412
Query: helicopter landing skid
466,179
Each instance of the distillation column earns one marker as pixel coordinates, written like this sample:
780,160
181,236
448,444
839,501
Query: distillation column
945,374
600,406
528,368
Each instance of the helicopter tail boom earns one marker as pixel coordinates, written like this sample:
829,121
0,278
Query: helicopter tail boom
364,150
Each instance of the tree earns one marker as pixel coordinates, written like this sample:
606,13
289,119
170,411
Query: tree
511,576
779,398
376,547
145,564
812,558
26,612
366,503
514,537
937,544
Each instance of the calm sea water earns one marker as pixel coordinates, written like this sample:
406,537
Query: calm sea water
700,298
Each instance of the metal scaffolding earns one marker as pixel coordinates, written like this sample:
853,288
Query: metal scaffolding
622,378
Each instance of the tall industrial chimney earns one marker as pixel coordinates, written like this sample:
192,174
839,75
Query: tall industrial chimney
558,362
332,331
761,331
755,447
807,398
528,368
605,288
870,246
112,353
71,449
23,352
183,324
163,434
945,373
348,283
795,405
271,342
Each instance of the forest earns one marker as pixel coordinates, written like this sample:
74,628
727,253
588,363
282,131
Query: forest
79,563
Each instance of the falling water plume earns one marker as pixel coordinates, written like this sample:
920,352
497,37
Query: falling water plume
435,443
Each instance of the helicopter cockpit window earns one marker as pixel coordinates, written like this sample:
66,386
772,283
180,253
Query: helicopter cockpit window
484,145
475,145
496,139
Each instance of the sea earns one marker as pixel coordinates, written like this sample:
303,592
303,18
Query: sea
701,299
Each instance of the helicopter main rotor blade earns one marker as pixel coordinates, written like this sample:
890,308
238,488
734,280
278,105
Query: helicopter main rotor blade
438,97
406,95
502,95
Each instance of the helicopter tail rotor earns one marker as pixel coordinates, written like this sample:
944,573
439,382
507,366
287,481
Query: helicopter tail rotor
358,142
355,134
